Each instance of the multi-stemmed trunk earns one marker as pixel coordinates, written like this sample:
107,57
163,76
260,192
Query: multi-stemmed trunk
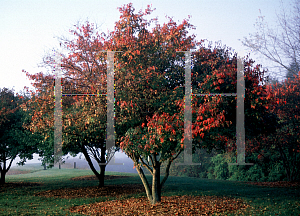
100,176
153,193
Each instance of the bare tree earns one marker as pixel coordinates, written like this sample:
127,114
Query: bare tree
293,67
282,45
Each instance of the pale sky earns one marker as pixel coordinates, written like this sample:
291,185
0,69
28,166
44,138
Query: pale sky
28,28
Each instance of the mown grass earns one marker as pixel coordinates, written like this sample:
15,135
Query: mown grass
31,167
21,201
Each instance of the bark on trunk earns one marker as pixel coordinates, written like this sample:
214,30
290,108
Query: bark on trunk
2,180
145,183
3,171
102,167
156,190
154,193
87,157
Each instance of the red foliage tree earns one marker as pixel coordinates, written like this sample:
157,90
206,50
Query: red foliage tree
150,106
84,117
282,100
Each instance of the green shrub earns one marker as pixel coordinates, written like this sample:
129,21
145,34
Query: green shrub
277,173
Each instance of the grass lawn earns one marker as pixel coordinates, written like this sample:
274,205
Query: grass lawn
22,200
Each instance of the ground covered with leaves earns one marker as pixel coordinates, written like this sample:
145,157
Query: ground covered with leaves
169,205
173,205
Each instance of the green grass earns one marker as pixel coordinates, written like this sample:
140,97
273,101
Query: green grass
20,201
30,167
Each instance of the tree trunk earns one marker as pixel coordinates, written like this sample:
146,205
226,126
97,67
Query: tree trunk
102,167
3,170
145,183
2,180
156,189
154,195
87,157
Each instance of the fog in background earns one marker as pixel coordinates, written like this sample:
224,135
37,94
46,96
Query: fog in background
83,164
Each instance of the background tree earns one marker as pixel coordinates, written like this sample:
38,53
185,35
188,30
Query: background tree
15,140
294,67
284,102
280,45
40,107
214,71
86,70
84,117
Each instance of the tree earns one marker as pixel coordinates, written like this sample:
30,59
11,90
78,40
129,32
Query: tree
214,71
148,79
282,46
285,103
15,140
84,117
294,67
150,111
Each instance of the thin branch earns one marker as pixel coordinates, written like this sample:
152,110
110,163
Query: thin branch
146,165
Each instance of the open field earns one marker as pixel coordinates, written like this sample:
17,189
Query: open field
28,168
55,192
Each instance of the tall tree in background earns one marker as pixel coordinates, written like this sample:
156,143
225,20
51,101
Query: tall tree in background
281,45
283,100
294,67
40,107
214,71
15,140
84,117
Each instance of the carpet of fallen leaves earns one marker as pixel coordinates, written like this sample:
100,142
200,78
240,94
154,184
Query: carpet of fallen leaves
171,205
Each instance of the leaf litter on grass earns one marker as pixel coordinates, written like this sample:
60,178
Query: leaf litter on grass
169,205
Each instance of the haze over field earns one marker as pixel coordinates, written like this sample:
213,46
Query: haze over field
83,164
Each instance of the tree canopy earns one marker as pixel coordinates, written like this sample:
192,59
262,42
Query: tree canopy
15,140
